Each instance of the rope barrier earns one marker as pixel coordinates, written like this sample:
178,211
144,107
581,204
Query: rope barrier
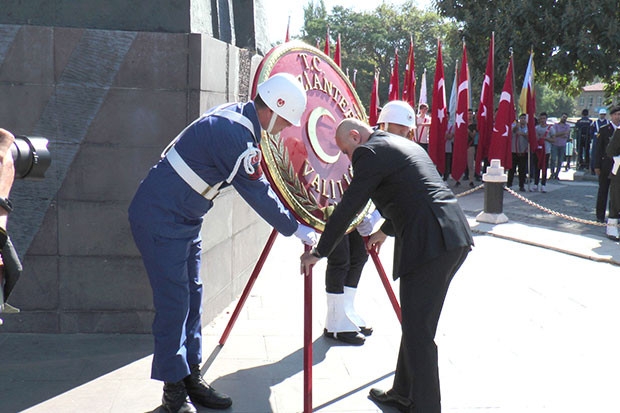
470,191
542,208
552,212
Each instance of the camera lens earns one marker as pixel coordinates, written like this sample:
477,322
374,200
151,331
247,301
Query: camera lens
31,158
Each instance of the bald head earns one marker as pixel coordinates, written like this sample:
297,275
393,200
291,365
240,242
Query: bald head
351,133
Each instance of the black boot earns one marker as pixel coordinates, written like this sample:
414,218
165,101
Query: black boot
175,399
201,393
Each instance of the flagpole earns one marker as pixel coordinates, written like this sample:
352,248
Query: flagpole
529,149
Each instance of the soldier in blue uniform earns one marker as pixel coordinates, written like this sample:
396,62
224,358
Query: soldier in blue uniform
219,149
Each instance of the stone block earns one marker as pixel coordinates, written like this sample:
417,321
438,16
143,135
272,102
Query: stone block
217,224
103,284
37,288
22,105
94,178
216,270
45,241
106,322
29,58
46,322
155,61
65,42
214,75
138,117
248,245
94,229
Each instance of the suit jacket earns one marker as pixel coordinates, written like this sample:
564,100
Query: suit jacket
601,160
421,212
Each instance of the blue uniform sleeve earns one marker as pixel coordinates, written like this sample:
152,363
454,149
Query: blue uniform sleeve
213,147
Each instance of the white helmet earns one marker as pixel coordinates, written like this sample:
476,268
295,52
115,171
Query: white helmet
285,96
398,112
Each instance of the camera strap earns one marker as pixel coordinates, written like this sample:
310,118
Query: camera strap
192,178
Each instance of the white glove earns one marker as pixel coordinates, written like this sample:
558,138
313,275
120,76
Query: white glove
306,234
367,225
614,169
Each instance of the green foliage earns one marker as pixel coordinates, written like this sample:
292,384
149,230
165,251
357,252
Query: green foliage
369,38
574,41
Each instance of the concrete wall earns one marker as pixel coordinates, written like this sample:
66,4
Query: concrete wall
231,21
109,101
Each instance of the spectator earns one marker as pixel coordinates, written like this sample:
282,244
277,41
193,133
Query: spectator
560,134
582,134
423,125
519,152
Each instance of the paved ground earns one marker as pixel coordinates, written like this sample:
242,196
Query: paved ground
530,325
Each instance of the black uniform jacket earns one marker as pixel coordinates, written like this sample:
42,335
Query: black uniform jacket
403,183
601,160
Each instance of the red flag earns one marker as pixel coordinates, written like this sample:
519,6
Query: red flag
373,110
287,38
439,117
459,150
326,49
337,52
394,90
500,147
409,85
485,109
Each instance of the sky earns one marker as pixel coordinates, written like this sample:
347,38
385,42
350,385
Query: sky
279,12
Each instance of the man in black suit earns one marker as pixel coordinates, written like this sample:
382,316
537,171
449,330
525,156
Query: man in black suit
432,241
603,163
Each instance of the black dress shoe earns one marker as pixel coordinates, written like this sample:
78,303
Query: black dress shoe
390,398
203,394
349,337
175,399
367,331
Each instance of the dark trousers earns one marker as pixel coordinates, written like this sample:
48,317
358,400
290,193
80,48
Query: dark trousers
448,166
422,294
519,161
345,263
540,175
173,267
614,198
602,195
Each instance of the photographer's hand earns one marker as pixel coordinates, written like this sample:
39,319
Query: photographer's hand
7,170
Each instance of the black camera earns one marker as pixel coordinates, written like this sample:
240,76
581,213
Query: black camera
31,158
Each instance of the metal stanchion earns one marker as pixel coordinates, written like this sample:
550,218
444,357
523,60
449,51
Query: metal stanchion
308,339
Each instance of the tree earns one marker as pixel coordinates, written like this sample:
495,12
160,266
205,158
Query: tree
574,41
369,38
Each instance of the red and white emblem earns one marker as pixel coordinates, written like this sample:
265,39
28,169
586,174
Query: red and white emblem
304,164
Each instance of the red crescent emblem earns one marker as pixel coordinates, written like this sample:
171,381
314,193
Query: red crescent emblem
304,164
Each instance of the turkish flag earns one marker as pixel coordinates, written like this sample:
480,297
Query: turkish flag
394,82
459,150
373,110
337,52
485,109
409,85
439,116
326,49
501,139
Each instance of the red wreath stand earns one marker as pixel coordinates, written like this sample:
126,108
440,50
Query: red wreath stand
307,310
